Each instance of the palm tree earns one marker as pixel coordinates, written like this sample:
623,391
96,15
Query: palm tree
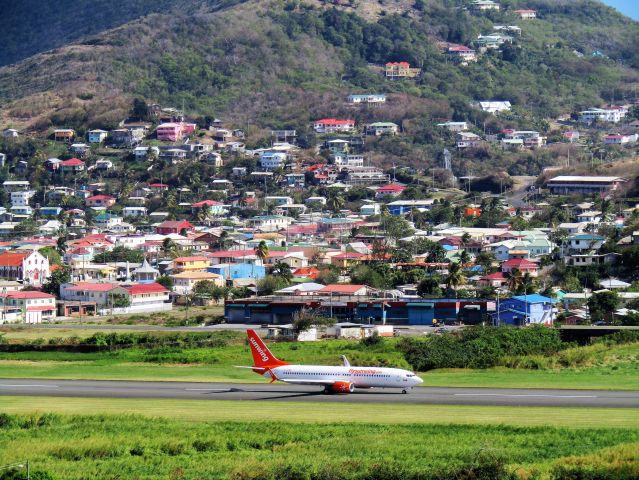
528,283
464,257
455,277
261,251
283,271
168,247
465,239
204,213
515,279
336,202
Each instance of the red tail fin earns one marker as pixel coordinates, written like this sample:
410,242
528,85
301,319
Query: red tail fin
262,356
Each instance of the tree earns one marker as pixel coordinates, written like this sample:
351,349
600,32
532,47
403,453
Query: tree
165,281
283,271
515,280
169,247
61,244
57,278
336,202
305,319
602,305
455,277
52,255
486,260
270,284
120,254
464,257
429,287
261,251
140,109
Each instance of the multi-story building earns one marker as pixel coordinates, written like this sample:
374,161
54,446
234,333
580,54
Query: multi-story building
612,115
27,307
572,184
273,160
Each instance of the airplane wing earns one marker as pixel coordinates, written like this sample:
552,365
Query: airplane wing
304,381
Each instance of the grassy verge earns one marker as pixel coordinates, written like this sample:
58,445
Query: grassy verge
596,367
256,446
318,412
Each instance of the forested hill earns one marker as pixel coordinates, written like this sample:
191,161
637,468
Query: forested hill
34,26
280,63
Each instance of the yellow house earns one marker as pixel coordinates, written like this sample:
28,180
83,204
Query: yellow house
184,282
393,70
63,135
191,264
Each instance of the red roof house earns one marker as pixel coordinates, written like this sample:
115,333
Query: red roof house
174,227
337,289
521,264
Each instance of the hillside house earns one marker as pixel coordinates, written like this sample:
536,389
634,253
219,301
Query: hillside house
611,115
381,128
97,136
134,211
64,135
454,126
270,223
468,140
179,227
334,125
370,98
462,53
392,190
399,70
270,160
494,106
619,139
100,201
79,149
73,165
483,5
526,14
521,264
194,263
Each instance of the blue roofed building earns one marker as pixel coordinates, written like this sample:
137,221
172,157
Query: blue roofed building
524,310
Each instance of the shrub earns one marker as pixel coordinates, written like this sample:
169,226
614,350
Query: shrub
173,449
206,445
479,347
7,421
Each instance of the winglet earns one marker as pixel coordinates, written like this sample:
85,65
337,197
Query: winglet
262,356
346,362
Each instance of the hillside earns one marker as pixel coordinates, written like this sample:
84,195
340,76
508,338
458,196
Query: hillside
281,64
34,26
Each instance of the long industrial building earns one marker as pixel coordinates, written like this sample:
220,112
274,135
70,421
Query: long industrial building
279,310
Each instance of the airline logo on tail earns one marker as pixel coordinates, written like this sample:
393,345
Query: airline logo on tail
262,356
255,345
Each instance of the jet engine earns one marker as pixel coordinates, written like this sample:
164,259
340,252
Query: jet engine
342,387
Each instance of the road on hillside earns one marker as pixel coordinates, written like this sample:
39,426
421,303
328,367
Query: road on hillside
294,393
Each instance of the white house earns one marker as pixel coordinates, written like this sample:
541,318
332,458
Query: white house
134,212
495,106
184,282
273,160
270,223
27,307
612,115
32,268
367,98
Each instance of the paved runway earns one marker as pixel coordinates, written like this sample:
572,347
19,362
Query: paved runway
259,392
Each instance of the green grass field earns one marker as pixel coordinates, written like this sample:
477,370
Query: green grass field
595,367
196,440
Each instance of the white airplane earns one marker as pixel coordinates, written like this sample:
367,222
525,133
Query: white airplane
338,379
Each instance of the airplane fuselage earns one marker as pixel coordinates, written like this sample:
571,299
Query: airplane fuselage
360,377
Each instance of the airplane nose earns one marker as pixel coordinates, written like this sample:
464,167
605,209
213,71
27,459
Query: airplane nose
419,380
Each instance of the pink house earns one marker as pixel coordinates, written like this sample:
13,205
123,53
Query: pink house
99,201
173,132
